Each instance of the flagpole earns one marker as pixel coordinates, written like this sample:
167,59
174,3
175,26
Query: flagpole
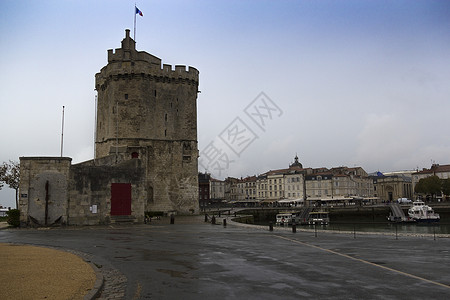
62,132
134,32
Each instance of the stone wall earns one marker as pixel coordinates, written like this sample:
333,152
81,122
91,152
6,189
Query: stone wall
172,177
44,190
90,190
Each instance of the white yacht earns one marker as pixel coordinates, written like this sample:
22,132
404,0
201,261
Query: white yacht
422,213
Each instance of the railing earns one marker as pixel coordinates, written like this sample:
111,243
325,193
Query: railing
355,229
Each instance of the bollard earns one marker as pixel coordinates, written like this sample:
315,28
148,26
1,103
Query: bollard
172,219
294,228
224,222
213,220
206,218
270,226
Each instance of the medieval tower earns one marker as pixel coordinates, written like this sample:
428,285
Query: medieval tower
148,111
146,150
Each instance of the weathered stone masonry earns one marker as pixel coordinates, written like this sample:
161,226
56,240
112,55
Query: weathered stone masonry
146,149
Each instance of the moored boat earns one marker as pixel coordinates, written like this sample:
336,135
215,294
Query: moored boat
319,218
422,213
288,218
284,218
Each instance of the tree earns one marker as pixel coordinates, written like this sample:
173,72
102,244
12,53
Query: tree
419,188
10,174
430,186
2,174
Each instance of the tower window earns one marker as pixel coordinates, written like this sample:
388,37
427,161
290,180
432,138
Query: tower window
165,117
155,93
126,96
165,132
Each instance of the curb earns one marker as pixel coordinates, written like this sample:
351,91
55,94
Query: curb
99,282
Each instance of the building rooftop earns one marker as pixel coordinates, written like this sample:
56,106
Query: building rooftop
435,168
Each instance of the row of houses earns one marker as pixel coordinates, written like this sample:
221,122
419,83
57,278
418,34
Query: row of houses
297,185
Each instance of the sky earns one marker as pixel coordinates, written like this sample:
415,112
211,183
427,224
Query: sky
338,83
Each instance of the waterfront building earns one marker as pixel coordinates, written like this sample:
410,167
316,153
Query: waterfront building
319,185
295,184
217,190
246,190
261,187
338,182
231,190
275,183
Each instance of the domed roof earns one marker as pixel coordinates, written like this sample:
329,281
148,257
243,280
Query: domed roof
296,163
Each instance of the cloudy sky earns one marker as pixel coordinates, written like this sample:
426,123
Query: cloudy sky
354,83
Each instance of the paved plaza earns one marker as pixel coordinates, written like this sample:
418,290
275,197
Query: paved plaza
195,260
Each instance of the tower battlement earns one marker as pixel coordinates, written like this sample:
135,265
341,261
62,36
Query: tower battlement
127,62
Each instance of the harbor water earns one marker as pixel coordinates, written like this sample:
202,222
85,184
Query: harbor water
378,224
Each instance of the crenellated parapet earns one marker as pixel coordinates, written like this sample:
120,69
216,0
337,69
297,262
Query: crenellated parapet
127,63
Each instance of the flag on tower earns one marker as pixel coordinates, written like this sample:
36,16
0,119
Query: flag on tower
139,12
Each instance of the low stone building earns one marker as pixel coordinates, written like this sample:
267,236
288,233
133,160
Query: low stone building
389,188
146,150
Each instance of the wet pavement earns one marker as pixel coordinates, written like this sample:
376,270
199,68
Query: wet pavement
193,260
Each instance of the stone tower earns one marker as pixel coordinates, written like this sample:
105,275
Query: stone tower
148,111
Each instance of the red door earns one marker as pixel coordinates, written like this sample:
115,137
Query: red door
120,199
